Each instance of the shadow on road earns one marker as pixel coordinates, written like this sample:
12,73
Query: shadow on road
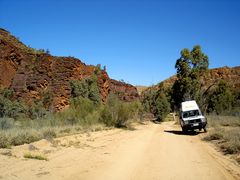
156,121
177,132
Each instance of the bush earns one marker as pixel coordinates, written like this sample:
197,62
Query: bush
86,88
82,111
6,123
24,136
157,102
4,140
106,117
221,98
124,114
9,107
37,110
117,113
47,98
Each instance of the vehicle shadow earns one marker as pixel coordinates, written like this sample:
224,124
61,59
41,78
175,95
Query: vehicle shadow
178,132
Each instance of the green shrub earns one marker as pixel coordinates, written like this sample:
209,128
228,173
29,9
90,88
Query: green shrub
117,113
92,118
47,98
4,140
82,111
86,88
124,114
37,110
27,136
156,102
6,123
9,107
106,117
221,98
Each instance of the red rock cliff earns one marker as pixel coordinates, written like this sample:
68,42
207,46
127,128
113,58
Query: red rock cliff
126,92
30,73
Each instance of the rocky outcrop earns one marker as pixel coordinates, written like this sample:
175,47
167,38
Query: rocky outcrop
125,91
31,74
231,75
211,78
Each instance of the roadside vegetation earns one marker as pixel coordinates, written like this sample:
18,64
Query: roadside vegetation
225,133
219,101
20,123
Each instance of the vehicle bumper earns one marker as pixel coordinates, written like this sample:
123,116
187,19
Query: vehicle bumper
192,126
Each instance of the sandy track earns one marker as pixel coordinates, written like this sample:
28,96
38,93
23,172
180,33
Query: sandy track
152,151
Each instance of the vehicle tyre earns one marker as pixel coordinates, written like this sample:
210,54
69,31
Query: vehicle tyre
205,129
184,130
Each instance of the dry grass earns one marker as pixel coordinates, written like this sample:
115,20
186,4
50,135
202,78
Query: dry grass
224,131
16,136
169,117
82,116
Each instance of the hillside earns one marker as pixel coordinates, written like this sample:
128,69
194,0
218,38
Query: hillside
140,89
32,73
212,77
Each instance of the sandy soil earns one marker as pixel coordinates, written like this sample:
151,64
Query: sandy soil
152,151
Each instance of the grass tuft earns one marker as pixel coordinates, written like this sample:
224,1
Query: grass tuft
38,157
213,136
49,134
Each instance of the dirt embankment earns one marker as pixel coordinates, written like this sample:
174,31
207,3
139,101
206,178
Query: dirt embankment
152,151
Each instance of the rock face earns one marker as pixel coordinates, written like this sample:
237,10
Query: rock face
31,74
212,77
125,92
231,75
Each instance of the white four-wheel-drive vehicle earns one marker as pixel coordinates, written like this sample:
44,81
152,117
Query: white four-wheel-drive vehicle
191,117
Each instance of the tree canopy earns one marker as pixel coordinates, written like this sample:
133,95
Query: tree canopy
190,66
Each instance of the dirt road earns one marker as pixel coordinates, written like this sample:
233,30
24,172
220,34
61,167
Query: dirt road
152,151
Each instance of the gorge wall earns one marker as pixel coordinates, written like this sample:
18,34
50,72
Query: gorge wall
32,73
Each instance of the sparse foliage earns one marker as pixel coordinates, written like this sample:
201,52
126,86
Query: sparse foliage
117,113
190,66
8,106
221,98
156,102
86,88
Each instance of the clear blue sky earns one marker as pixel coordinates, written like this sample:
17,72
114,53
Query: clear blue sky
138,40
